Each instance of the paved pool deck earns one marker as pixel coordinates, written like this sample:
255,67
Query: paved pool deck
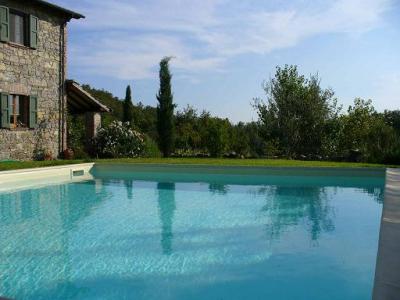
387,274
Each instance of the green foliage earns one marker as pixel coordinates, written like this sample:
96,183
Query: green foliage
257,141
296,111
381,140
108,100
217,136
392,118
119,140
128,107
76,135
150,148
357,124
145,119
239,140
165,110
187,125
365,130
196,135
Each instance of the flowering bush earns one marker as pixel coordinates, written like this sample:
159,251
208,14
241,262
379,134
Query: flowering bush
119,140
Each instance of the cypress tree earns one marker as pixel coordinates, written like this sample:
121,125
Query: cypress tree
165,110
128,106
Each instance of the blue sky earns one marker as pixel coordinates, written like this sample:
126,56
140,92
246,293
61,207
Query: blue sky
225,49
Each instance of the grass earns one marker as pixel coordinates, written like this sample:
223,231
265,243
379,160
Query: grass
13,165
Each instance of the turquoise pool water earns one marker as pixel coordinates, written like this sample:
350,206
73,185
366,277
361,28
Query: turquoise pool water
166,235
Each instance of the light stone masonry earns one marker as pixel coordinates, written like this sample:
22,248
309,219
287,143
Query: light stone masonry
27,71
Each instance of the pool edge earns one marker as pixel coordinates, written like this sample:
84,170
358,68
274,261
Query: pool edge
387,274
25,178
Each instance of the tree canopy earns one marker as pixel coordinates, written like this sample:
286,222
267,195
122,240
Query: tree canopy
296,112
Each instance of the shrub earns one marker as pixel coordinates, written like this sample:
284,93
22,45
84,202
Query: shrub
119,140
151,148
392,157
80,153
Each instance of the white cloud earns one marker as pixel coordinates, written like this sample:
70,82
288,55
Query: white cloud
124,56
128,38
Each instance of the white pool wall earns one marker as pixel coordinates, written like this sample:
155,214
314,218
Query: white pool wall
25,178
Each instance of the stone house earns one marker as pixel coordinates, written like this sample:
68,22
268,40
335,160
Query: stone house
35,95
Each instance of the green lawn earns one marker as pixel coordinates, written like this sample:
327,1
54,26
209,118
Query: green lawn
12,165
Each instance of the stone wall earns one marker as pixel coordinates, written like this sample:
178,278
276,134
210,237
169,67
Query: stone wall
27,71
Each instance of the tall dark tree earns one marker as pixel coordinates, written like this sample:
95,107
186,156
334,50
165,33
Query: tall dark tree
128,106
165,110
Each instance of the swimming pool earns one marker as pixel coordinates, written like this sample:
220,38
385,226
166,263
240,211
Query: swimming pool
193,233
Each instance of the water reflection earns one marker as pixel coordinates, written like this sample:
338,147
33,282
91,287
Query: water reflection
376,193
166,209
74,209
35,205
218,188
288,206
14,210
129,188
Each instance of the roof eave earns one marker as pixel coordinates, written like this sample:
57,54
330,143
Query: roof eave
69,13
99,107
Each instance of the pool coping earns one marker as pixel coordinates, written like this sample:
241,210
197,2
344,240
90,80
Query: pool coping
32,177
387,272
16,171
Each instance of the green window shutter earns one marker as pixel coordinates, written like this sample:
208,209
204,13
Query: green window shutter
4,24
33,101
33,31
5,110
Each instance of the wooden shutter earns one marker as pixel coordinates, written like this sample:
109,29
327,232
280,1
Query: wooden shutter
33,101
4,24
33,31
5,110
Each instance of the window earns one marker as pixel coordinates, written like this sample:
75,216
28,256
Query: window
17,28
18,111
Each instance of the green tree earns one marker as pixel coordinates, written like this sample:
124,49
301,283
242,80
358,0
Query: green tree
256,138
239,140
165,110
217,136
128,106
296,111
365,131
392,118
356,125
188,139
145,119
